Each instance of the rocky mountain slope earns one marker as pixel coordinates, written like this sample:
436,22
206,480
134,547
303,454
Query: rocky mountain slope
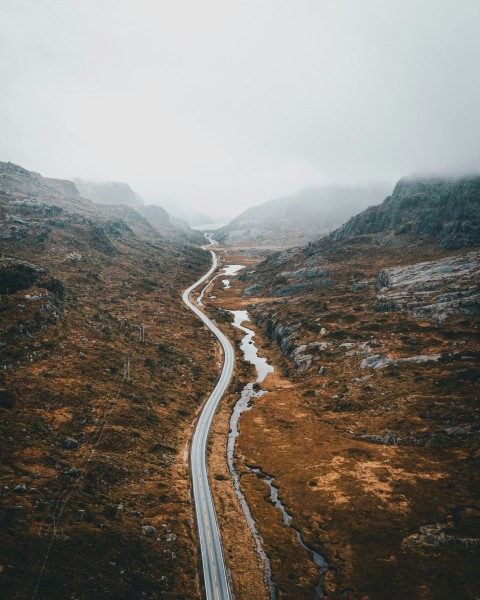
162,221
448,209
97,394
108,192
126,201
373,443
185,213
297,219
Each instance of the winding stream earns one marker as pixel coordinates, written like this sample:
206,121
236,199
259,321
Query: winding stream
245,403
249,392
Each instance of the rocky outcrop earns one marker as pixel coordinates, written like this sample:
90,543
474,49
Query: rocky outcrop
17,275
63,186
432,290
376,361
441,536
447,209
17,180
287,283
301,355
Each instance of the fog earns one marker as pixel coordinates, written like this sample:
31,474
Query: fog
223,104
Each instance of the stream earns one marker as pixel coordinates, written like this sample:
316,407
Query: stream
249,392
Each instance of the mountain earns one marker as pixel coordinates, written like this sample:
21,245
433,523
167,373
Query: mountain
108,192
186,213
297,219
372,438
120,195
446,208
162,221
102,373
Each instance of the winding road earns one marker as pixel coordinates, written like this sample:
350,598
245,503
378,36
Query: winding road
214,572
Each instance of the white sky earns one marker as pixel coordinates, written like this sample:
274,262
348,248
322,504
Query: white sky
223,104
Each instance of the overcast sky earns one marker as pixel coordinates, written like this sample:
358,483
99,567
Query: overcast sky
223,104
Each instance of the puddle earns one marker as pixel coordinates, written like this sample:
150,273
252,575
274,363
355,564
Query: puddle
231,270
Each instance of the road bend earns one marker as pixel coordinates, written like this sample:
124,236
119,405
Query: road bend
214,572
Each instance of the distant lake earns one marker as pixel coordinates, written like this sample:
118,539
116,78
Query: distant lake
208,226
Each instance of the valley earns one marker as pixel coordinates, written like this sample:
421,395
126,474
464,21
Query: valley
98,397
364,439
341,445
239,300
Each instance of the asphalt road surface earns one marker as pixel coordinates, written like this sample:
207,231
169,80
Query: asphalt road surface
214,572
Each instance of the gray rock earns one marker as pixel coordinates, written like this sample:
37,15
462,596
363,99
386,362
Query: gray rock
432,290
148,530
458,432
439,535
70,443
376,361
252,290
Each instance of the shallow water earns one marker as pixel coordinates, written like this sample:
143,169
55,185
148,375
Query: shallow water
231,270
245,403
250,351
317,558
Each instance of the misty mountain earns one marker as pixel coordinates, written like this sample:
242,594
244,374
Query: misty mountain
14,179
108,192
446,208
296,219
161,220
116,193
147,221
190,215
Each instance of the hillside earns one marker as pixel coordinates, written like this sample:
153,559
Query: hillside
447,209
108,192
97,395
297,219
115,196
370,424
185,213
